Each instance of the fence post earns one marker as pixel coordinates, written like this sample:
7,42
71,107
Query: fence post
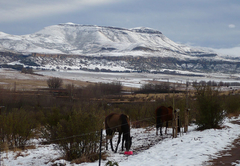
100,149
174,115
176,123
186,110
186,121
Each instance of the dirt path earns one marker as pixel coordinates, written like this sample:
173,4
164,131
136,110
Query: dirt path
229,157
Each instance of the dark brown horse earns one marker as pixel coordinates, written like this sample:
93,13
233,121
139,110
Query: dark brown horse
164,114
118,123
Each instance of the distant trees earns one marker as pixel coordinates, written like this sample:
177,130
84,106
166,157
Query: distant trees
155,88
54,83
213,83
27,70
101,89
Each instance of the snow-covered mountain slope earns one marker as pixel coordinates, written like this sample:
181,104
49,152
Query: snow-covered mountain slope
112,49
72,38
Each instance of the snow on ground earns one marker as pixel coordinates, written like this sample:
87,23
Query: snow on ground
127,79
138,79
14,74
192,149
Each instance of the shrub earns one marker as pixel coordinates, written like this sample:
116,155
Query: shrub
54,82
76,134
232,104
52,118
17,127
85,136
210,110
111,163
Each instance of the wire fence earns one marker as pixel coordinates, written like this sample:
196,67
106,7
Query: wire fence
100,132
93,132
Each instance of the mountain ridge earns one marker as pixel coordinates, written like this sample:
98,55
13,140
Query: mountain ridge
89,39
106,48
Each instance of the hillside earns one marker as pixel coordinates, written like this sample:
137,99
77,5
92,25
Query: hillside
89,39
112,49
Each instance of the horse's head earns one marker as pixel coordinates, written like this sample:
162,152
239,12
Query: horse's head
128,143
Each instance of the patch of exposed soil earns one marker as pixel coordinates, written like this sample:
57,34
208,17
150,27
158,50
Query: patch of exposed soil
228,157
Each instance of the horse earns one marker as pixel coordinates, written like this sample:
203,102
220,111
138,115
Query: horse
115,122
164,114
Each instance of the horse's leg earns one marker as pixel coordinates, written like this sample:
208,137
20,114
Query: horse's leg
166,127
123,139
161,124
111,144
119,139
157,127
106,142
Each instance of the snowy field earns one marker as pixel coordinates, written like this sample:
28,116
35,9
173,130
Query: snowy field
138,79
127,79
192,149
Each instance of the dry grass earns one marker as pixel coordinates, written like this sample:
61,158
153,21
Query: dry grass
150,97
31,84
20,154
20,84
89,158
233,115
4,147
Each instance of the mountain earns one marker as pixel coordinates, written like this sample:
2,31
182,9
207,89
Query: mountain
86,39
102,48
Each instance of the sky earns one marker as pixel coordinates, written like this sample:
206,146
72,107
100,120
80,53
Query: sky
203,23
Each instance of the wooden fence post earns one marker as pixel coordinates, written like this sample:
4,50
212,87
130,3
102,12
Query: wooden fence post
173,114
186,114
176,116
176,124
186,121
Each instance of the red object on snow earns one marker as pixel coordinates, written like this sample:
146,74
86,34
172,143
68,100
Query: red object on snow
128,152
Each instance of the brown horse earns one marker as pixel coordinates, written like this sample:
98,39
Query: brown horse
164,114
118,123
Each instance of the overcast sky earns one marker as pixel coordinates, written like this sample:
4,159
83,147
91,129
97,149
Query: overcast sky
205,23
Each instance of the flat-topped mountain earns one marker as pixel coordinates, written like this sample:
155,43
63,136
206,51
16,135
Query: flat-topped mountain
103,48
77,39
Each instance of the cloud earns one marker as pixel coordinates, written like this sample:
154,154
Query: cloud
231,26
14,11
234,52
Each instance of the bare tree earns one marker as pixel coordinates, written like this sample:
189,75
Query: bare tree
54,82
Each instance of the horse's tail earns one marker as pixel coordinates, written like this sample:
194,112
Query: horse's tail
108,130
158,113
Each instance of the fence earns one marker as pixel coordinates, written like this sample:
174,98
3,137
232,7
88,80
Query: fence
94,132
